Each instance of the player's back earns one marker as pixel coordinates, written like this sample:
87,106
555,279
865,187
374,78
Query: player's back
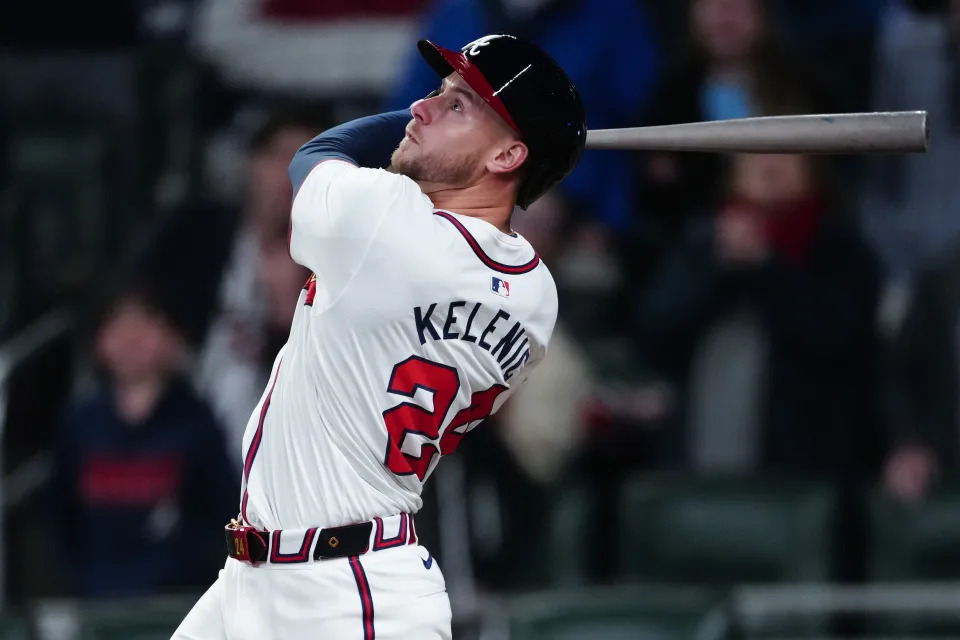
416,325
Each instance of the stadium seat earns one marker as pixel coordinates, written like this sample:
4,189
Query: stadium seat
618,613
58,207
566,560
724,531
14,628
170,87
613,359
915,543
557,556
149,619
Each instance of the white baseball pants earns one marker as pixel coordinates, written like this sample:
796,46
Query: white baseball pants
384,595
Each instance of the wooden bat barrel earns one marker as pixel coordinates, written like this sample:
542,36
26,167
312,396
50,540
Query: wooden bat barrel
840,133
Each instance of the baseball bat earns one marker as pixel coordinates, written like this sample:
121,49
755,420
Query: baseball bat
837,133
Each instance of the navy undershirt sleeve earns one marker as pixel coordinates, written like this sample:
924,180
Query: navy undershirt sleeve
366,142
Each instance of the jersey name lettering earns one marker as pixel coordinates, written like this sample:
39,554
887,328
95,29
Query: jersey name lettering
490,330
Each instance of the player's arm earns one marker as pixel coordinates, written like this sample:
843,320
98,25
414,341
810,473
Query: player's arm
367,142
341,197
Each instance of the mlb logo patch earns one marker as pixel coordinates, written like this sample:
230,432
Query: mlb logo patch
500,287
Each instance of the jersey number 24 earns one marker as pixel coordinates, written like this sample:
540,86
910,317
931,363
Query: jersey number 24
409,418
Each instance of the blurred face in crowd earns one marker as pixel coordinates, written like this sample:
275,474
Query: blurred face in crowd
455,139
270,191
728,30
772,180
135,343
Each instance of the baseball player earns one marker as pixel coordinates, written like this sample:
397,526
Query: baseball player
424,313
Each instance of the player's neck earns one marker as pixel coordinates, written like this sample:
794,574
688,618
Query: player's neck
477,201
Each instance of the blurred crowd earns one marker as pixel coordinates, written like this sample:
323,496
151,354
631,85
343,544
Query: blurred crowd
747,315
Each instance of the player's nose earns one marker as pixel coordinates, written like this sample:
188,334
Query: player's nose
420,110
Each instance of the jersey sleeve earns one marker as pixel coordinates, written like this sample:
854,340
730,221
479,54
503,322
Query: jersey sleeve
337,213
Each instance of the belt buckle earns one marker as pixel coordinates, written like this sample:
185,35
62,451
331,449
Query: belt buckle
241,543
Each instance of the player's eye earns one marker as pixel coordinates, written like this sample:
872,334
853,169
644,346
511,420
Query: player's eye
457,106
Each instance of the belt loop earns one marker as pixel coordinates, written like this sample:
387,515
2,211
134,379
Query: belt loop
399,539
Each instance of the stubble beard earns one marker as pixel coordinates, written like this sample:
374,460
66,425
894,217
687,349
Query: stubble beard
446,170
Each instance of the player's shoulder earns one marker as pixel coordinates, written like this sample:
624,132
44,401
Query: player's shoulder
352,184
339,200
515,272
543,303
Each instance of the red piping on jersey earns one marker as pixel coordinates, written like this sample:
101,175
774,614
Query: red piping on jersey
255,444
484,258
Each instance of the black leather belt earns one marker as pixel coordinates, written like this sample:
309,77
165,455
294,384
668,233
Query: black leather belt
248,544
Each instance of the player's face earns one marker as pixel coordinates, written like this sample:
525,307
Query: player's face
453,139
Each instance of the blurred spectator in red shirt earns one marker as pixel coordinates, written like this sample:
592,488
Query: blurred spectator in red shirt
763,319
141,481
730,64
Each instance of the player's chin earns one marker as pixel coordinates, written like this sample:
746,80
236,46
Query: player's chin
400,155
403,163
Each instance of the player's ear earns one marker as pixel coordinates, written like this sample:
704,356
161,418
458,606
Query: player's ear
509,157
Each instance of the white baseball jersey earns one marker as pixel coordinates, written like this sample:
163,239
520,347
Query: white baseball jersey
417,324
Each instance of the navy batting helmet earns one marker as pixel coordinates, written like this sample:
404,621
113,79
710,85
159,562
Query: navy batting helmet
532,94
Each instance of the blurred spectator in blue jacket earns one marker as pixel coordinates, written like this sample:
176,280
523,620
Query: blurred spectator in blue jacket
910,206
142,484
763,319
608,49
729,64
